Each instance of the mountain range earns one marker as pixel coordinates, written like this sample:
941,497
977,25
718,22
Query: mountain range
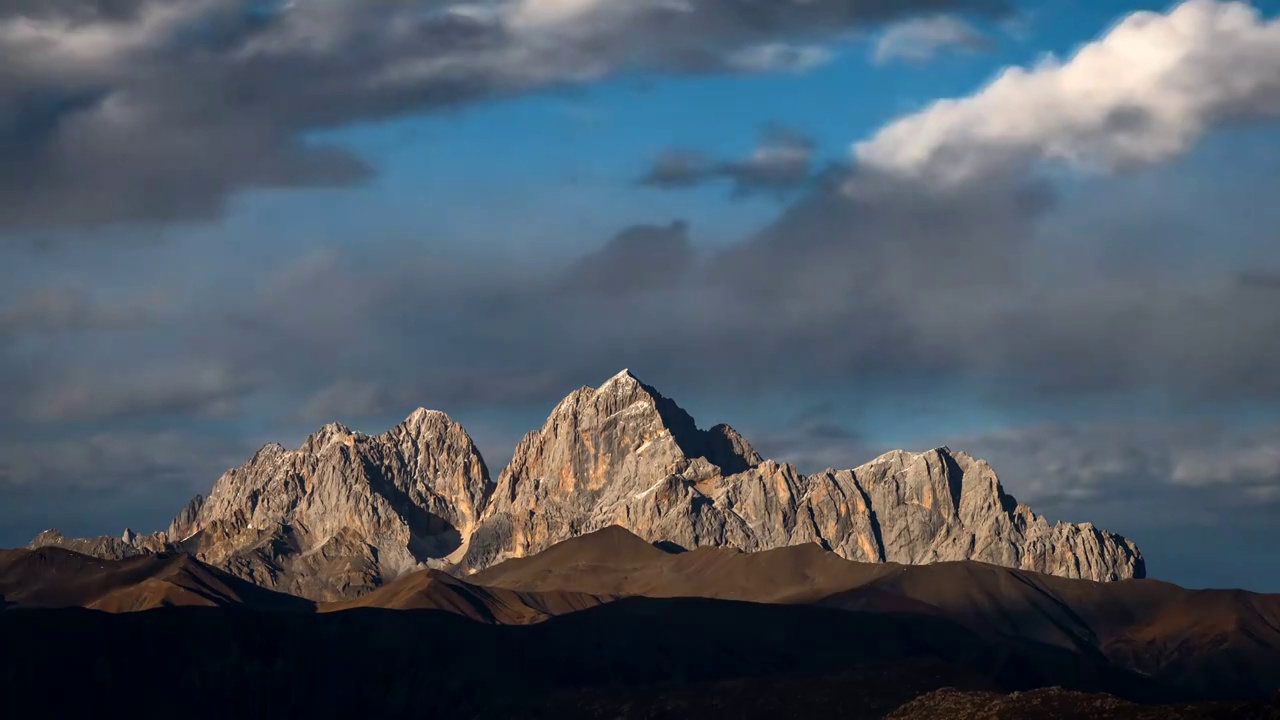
346,513
625,564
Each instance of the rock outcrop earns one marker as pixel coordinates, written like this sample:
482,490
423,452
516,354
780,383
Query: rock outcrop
333,519
112,548
624,455
346,512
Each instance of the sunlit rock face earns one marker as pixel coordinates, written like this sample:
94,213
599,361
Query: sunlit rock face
346,512
622,454
335,518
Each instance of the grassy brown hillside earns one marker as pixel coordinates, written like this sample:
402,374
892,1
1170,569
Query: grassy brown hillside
55,578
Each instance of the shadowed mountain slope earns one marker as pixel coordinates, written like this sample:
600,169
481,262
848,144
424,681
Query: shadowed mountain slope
1220,642
204,662
57,578
1214,643
571,628
435,590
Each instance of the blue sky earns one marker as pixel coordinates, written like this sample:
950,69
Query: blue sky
162,313
563,164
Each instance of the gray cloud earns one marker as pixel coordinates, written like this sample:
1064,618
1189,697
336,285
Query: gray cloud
115,459
183,390
1257,279
638,259
459,389
814,439
54,310
869,273
781,163
347,399
907,284
680,168
100,482
921,39
138,110
1187,473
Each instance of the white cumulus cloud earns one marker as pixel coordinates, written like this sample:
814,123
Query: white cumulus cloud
1141,94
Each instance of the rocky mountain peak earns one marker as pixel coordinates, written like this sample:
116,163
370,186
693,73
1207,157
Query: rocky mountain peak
323,438
624,380
623,454
422,419
618,393
335,517
345,511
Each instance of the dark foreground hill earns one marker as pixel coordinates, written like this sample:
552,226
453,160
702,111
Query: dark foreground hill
385,663
954,704
609,626
1218,643
51,577
635,658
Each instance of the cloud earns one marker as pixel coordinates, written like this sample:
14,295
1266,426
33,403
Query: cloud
115,459
456,389
101,481
1250,461
902,282
1259,279
919,40
909,289
54,310
1204,472
778,57
160,110
680,168
638,259
814,439
781,162
1143,93
346,399
186,389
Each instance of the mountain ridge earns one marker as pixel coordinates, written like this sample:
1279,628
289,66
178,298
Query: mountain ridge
346,512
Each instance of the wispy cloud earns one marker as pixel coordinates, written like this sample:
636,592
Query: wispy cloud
780,163
919,40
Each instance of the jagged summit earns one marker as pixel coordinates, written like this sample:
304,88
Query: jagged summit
346,511
623,376
623,454
334,518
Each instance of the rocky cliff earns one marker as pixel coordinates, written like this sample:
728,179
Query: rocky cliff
333,519
346,512
622,454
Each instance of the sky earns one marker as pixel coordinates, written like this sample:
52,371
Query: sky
1042,232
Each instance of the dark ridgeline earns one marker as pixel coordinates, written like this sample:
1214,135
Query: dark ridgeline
608,624
181,662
